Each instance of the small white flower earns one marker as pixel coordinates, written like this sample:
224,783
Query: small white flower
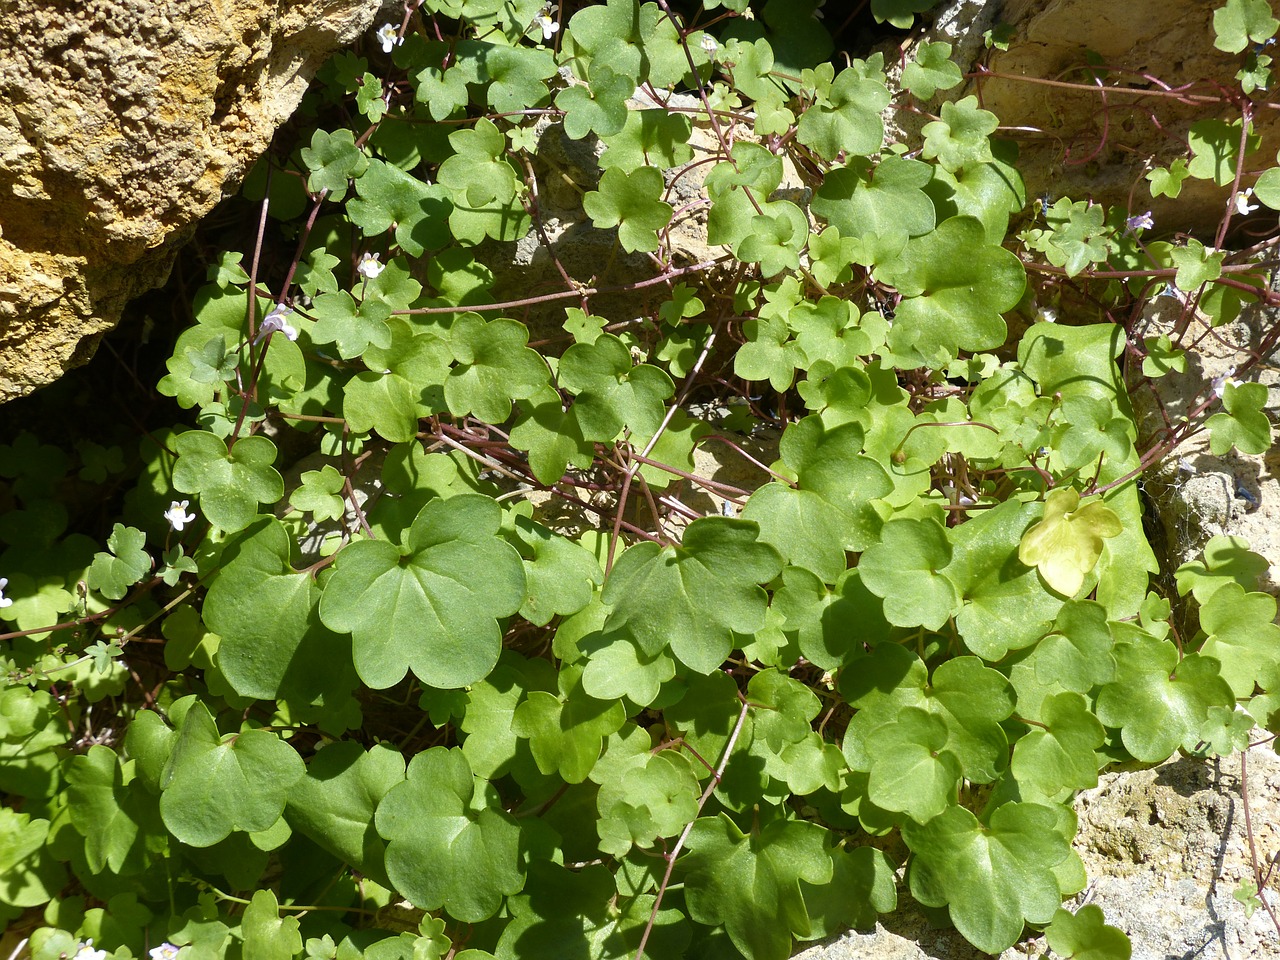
369,266
274,322
166,951
548,26
387,37
1221,383
87,952
4,601
1046,315
177,514
1243,206
709,45
1142,221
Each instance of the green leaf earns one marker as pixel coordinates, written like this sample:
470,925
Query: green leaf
1085,935
832,626
931,70
1157,702
444,817
516,76
320,494
561,577
631,202
599,107
551,435
910,770
230,484
768,354
1077,235
775,238
798,524
430,606
617,668
494,366
970,698
214,785
1267,188
212,363
1162,357
611,393
1215,147
1243,637
862,886
267,935
483,186
650,138
105,811
273,645
886,200
905,568
1167,182
566,732
384,402
1241,21
578,913
961,137
993,878
1195,265
31,876
390,199
827,462
112,574
1243,425
846,118
1078,653
644,796
352,326
1226,560
1059,757
1005,606
955,285
899,13
693,597
333,159
334,803
1066,543
751,883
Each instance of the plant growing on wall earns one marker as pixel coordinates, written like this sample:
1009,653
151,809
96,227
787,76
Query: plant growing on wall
502,669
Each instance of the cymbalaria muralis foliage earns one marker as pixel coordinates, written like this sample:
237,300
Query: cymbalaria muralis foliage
502,651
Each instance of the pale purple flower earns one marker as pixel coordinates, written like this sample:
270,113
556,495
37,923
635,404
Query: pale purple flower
1142,221
87,952
177,514
369,266
4,601
274,322
1221,383
548,26
1241,199
166,951
709,45
387,37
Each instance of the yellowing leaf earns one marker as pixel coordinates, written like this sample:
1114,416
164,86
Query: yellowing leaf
1067,542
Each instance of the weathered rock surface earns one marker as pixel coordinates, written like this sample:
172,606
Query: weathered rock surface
1164,848
122,123
1075,141
1198,495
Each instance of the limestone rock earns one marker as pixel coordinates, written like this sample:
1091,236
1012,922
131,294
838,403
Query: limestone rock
1072,140
1195,494
122,123
1164,848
